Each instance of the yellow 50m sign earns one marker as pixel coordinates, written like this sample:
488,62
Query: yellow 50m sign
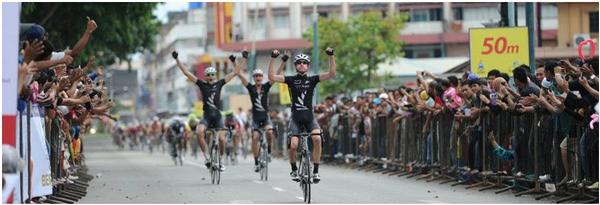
498,48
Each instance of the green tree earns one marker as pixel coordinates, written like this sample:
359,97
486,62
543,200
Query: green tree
123,28
361,44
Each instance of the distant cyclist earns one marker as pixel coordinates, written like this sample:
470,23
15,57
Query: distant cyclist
260,106
302,89
192,124
175,134
211,98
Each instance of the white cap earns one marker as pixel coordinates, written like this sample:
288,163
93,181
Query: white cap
546,83
64,110
383,95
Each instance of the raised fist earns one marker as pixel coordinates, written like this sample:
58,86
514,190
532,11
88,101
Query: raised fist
275,53
245,54
232,58
174,54
285,56
91,25
329,51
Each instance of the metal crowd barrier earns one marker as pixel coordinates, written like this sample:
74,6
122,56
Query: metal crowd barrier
444,152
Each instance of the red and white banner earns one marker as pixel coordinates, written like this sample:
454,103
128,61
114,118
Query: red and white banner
10,51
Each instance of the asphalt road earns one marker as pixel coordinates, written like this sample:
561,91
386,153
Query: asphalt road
141,177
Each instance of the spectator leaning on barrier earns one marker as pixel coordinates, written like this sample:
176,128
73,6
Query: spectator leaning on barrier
557,98
67,97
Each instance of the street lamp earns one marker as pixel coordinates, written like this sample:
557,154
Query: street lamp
315,54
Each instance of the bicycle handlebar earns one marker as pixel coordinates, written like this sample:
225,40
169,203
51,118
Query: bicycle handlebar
307,134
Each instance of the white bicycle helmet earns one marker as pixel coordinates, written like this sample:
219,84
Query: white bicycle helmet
257,72
302,56
210,70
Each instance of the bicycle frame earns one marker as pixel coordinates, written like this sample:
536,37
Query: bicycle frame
263,154
305,166
215,158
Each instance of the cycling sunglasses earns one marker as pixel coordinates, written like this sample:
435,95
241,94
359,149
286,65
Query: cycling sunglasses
301,62
210,74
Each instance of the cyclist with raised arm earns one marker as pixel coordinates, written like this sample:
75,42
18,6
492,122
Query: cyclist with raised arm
259,96
302,89
211,98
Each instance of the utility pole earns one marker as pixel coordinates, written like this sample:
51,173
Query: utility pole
315,54
531,28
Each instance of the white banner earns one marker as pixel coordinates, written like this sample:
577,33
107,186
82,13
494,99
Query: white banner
41,181
11,181
10,51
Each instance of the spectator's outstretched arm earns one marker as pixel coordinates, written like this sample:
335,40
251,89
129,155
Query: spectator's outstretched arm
82,43
583,81
45,64
548,106
32,50
561,83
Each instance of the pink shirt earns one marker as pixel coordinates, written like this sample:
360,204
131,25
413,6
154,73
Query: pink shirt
451,94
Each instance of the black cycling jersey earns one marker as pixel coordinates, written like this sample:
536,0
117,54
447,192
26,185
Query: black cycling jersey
302,88
193,126
211,97
259,101
177,127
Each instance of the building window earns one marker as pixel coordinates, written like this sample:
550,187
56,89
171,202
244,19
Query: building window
593,22
419,15
423,51
458,14
281,21
435,14
323,14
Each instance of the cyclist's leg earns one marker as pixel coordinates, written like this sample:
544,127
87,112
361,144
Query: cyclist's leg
255,140
255,148
219,125
200,129
293,144
173,145
317,145
269,127
237,138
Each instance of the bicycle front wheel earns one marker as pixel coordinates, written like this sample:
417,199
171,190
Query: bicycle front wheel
307,176
265,161
218,166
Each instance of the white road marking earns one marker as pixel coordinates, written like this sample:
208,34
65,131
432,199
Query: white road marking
432,201
241,202
301,198
278,189
258,182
